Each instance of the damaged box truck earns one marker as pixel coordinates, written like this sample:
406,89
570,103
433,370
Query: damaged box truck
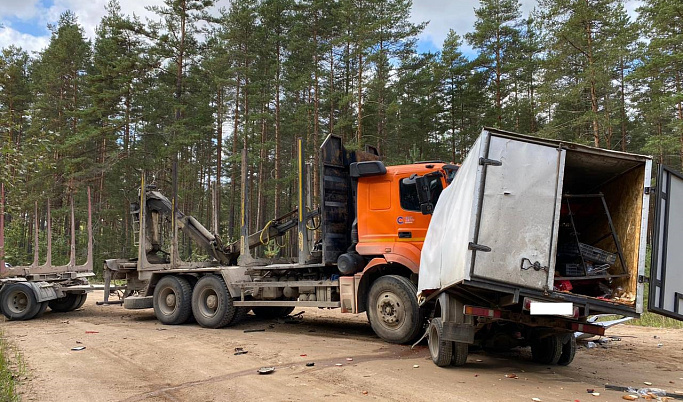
535,235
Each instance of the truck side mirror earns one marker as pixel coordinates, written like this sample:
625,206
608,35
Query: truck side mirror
424,195
450,170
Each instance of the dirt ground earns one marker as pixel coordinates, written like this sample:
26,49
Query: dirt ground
129,356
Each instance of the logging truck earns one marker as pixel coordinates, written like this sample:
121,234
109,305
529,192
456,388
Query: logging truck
358,249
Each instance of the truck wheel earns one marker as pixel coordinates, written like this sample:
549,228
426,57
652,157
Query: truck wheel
547,350
19,302
568,352
211,302
81,302
240,313
272,312
393,311
66,303
460,351
41,309
440,350
172,300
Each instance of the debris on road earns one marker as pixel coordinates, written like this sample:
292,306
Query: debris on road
310,364
255,330
266,370
630,397
92,332
513,375
77,348
416,366
240,351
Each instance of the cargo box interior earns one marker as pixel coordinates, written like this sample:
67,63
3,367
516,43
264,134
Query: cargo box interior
598,240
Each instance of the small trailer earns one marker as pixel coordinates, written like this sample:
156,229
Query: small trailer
27,291
535,235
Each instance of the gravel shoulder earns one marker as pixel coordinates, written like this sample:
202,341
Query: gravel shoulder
129,356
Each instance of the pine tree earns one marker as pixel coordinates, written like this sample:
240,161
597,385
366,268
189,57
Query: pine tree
59,84
495,35
15,101
578,67
662,69
454,72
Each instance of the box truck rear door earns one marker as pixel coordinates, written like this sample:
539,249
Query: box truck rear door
666,269
519,213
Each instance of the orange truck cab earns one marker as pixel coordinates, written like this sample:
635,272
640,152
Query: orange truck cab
392,209
390,220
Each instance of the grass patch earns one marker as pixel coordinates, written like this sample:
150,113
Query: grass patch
12,367
648,319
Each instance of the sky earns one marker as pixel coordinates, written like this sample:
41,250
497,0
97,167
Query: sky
24,22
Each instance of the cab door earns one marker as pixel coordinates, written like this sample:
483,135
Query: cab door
666,269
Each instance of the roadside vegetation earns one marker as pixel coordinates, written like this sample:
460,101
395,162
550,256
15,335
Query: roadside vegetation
12,367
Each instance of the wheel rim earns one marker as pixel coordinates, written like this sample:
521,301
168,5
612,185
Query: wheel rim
208,302
18,302
433,340
168,301
391,311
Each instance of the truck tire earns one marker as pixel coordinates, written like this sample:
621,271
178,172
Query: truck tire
568,352
80,304
460,351
240,313
66,303
212,303
172,300
440,350
41,310
547,350
272,312
393,311
19,302
138,302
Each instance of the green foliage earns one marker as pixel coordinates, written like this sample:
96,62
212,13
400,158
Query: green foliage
12,366
197,89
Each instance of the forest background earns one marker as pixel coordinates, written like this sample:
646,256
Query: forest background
197,88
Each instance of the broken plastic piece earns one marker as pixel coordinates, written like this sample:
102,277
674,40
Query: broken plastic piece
310,364
78,348
266,370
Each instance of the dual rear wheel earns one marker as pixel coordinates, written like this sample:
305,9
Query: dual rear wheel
557,349
209,302
444,352
18,302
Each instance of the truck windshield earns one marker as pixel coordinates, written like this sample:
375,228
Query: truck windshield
408,193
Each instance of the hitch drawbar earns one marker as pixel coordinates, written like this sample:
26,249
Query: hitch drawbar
555,322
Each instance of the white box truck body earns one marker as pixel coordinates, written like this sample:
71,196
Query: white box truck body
531,221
